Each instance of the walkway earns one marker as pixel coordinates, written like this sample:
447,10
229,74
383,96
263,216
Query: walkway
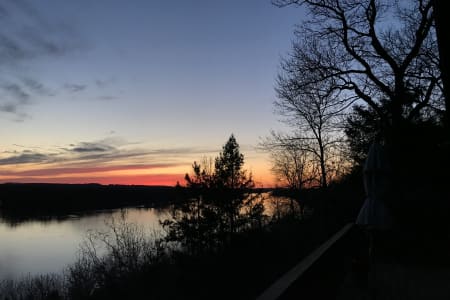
421,270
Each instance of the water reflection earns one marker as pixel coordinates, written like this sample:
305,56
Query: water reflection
50,243
45,244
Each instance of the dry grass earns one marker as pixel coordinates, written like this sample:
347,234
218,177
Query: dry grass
104,259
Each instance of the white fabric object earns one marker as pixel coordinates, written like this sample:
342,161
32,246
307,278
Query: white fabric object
377,173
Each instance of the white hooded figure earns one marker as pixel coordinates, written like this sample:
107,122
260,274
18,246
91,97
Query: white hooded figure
377,182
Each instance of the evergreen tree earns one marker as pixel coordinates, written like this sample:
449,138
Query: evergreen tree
218,195
228,167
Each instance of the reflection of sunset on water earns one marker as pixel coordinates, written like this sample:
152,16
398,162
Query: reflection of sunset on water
38,246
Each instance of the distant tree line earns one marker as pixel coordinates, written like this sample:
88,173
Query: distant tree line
21,201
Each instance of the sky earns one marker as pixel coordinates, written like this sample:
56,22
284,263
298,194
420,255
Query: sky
133,92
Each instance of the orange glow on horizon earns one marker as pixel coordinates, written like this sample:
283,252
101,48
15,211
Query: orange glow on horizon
128,174
152,179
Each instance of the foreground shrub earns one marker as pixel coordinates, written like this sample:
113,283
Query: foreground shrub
108,258
42,287
105,261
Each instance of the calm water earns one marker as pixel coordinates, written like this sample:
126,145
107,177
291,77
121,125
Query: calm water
45,246
36,247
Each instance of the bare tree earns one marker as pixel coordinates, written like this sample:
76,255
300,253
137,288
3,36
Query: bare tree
203,174
441,22
374,50
309,156
291,164
314,114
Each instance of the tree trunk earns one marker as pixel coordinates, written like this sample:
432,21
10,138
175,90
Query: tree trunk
440,11
323,169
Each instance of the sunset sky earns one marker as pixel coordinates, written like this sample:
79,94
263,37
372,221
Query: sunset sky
132,92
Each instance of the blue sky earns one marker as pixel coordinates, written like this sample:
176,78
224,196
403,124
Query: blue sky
163,81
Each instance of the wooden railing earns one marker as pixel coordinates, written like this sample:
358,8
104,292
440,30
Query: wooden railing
284,282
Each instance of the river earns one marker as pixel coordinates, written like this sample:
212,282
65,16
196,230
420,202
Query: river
47,245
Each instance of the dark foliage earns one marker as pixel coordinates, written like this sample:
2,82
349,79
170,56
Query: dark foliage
212,212
40,201
362,128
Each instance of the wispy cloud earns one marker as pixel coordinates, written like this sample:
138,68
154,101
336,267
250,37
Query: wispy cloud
102,83
37,87
104,86
92,147
107,98
183,151
8,107
94,162
25,35
13,100
109,151
75,88
15,95
109,160
16,92
24,158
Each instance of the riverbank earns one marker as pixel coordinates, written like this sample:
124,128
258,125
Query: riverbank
249,262
133,269
34,199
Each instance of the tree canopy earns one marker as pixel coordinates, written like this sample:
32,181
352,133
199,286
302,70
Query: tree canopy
218,203
226,173
383,53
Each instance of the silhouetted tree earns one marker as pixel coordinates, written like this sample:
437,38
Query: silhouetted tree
228,167
232,181
314,114
363,126
225,171
292,165
374,51
218,194
203,175
441,13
